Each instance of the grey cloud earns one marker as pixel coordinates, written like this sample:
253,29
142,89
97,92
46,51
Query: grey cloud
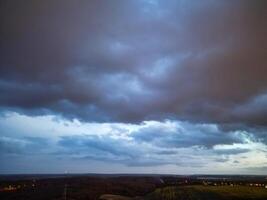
133,61
154,144
232,151
202,65
22,146
258,170
148,162
89,146
222,160
107,149
254,133
254,109
187,135
167,152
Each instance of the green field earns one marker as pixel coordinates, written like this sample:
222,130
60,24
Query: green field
208,193
200,192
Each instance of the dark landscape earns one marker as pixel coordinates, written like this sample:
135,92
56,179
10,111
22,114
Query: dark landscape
132,187
133,99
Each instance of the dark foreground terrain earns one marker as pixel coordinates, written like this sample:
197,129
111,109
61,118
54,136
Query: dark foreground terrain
200,192
132,187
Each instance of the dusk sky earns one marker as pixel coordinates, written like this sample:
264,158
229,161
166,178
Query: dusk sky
141,86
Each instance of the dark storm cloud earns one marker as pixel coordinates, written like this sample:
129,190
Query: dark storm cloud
232,151
108,149
151,143
96,145
253,133
135,60
22,146
187,135
222,160
83,147
155,144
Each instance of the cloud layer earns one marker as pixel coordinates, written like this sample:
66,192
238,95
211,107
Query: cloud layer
169,146
136,60
135,83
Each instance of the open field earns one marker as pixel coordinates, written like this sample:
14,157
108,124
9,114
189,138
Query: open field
118,197
199,192
133,187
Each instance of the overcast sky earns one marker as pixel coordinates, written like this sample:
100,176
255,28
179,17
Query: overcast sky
141,86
